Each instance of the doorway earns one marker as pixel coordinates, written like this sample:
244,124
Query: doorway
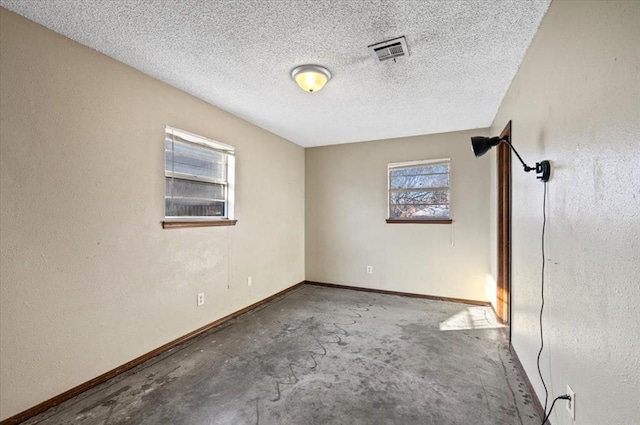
503,302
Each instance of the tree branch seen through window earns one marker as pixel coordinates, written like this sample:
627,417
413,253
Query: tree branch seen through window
419,190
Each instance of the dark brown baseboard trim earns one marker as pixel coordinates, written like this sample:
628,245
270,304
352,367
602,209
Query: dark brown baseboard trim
402,294
527,382
52,402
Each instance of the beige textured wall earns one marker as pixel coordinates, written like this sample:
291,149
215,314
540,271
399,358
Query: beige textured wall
346,208
89,279
576,102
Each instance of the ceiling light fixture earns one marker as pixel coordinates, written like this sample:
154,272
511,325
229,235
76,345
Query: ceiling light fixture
311,78
482,145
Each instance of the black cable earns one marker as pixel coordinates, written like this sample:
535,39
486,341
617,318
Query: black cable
544,225
560,397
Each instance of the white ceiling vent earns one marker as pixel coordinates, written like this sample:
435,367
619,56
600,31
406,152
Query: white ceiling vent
390,49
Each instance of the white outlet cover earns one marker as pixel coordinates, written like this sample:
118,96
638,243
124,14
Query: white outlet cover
200,299
571,404
249,281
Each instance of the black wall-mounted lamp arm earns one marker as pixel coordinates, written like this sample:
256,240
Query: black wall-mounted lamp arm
526,167
482,145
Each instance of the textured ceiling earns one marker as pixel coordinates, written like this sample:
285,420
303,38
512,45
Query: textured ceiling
238,55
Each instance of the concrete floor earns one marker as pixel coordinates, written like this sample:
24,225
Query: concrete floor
323,356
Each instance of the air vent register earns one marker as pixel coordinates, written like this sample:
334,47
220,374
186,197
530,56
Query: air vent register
390,49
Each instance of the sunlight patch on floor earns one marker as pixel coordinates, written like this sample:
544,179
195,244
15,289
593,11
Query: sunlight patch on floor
476,317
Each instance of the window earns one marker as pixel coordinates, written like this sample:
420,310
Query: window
419,192
199,177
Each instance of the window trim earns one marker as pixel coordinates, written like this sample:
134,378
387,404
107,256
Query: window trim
175,224
172,222
420,221
431,220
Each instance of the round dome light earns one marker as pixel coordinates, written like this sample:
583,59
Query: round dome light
311,78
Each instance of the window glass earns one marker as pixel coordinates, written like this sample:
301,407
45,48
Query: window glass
198,176
419,190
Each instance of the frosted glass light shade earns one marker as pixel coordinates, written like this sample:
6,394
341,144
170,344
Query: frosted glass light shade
311,78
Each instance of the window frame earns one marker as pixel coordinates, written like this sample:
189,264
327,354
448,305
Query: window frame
228,153
422,220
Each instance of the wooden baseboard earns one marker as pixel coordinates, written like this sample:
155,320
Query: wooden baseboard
48,404
527,382
402,294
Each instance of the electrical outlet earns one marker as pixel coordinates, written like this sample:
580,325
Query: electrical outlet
571,404
200,299
249,281
369,269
